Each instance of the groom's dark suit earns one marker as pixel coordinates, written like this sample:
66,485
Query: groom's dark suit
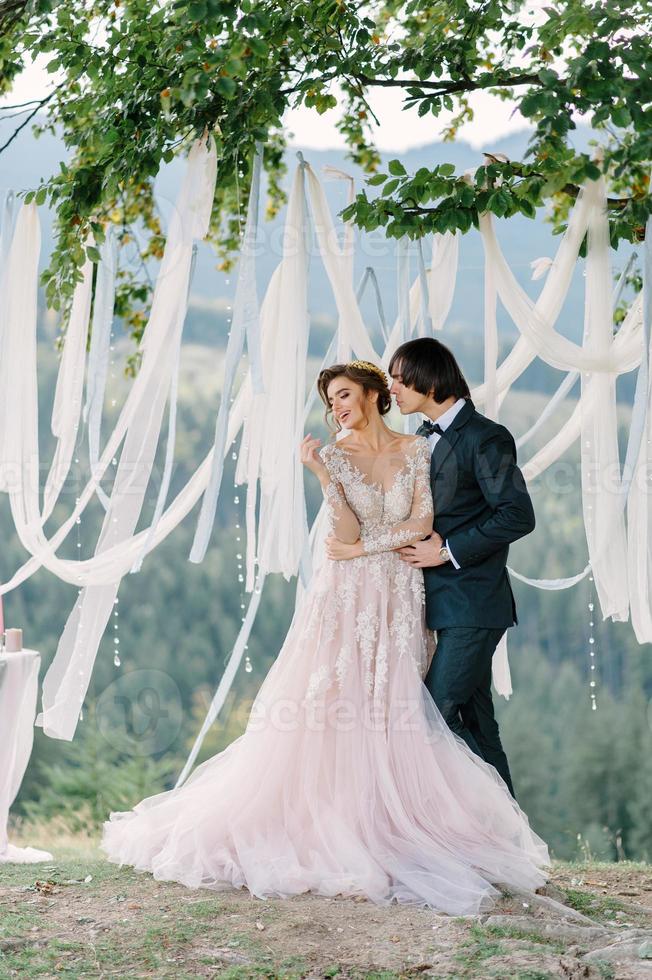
481,506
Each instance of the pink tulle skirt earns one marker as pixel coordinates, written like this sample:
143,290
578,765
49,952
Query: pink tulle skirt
347,780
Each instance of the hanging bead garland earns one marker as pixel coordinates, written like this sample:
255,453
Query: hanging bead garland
116,618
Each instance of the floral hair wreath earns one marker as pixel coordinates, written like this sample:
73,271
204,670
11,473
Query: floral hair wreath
368,366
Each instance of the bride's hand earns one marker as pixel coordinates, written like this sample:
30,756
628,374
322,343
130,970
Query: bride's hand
338,551
311,459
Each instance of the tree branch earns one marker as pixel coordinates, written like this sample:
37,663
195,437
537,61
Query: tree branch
31,115
572,190
448,86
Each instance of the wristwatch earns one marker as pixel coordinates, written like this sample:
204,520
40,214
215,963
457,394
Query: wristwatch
444,554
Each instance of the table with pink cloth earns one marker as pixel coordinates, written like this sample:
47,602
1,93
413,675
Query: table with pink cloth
18,693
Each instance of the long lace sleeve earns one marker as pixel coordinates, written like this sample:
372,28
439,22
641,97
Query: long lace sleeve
419,524
342,521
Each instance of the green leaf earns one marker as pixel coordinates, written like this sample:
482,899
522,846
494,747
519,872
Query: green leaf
390,187
621,116
225,86
197,10
376,180
447,169
41,195
396,168
93,253
548,76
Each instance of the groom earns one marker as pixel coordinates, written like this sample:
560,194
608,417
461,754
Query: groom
481,506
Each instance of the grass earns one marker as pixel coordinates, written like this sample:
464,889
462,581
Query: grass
601,908
55,922
533,938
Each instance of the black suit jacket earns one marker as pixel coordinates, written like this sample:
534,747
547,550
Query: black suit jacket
481,506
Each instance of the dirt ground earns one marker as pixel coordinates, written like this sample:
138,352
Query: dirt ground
82,917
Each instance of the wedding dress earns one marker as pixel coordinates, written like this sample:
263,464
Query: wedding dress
347,780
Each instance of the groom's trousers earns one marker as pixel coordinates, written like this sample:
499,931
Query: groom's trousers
459,681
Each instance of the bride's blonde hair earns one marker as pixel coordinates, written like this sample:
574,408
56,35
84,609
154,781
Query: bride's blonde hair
363,373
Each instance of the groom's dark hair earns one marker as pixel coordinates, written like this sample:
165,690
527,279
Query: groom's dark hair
428,366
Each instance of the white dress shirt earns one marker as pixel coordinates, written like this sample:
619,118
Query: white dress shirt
444,421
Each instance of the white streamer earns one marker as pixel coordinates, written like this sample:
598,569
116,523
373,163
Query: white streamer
443,275
98,354
244,323
67,406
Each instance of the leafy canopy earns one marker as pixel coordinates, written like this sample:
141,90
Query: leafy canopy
138,79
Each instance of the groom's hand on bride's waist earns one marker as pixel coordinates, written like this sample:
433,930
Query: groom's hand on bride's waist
424,554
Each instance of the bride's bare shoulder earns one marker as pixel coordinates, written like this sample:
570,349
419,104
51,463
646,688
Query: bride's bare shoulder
409,441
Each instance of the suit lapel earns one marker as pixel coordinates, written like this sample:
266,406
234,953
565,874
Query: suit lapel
446,441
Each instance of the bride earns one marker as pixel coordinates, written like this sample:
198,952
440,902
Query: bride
347,780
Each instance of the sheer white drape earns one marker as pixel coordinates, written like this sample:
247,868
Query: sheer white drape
604,521
67,406
66,681
639,501
443,276
268,458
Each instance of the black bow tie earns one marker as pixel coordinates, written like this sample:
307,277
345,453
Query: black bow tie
429,427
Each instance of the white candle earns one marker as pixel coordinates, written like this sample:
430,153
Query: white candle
13,640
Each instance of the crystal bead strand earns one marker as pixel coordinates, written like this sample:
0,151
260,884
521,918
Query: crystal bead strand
591,603
592,675
116,620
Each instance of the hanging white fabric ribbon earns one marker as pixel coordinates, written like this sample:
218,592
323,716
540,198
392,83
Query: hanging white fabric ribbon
490,344
540,266
351,324
346,252
98,354
369,275
67,406
639,499
443,276
533,322
403,288
101,569
269,449
247,286
425,320
19,459
548,305
172,429
67,679
245,322
348,241
559,396
6,236
570,431
573,376
552,584
7,214
226,681
397,330
603,515
280,539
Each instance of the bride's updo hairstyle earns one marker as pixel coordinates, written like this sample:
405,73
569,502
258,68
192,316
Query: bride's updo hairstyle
363,373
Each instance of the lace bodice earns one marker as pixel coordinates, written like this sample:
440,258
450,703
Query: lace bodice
383,499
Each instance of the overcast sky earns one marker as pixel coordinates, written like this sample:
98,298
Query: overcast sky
398,130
